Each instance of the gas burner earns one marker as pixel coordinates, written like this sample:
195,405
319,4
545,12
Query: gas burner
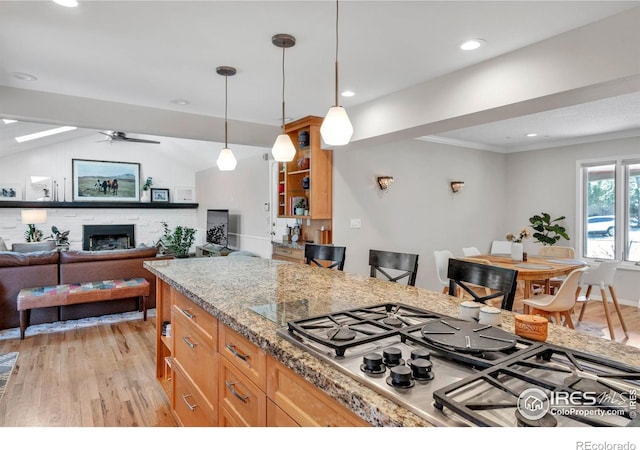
586,385
341,334
401,378
545,421
392,357
372,364
393,322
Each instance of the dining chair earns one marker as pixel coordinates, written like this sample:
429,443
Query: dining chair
407,263
554,251
501,248
470,251
559,305
602,276
442,258
326,256
468,275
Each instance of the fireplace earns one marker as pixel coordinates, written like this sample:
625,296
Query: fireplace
107,237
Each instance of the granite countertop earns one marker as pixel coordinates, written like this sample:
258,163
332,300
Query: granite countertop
297,245
229,287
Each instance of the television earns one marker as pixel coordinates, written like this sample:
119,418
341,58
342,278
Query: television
218,227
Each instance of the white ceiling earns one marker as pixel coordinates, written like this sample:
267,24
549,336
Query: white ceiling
148,53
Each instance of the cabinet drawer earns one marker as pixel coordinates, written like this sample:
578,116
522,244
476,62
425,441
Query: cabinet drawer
246,356
197,316
276,417
242,398
193,350
303,402
228,419
287,252
189,406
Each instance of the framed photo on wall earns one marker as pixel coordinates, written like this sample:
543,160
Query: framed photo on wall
159,195
38,188
10,192
184,194
105,181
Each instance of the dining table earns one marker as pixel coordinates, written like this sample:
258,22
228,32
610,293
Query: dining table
536,268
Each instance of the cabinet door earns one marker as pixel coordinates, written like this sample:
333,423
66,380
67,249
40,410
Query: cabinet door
240,397
244,355
276,417
303,402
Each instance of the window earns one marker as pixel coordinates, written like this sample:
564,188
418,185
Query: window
611,210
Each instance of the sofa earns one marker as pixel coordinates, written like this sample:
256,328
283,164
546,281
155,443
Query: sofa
36,269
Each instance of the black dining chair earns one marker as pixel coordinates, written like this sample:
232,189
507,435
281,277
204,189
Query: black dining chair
327,256
467,275
407,263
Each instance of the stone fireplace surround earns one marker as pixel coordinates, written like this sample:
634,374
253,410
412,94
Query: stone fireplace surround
108,237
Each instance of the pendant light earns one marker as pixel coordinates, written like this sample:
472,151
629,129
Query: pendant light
226,161
336,127
283,149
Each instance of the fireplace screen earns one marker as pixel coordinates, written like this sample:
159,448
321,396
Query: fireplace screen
108,237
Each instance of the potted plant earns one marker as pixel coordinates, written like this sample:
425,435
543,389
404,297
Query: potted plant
179,240
300,206
146,189
547,231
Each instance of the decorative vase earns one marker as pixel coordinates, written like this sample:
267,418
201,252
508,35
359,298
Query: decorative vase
146,196
516,251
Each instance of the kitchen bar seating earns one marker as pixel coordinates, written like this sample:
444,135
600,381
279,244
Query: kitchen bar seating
405,262
467,275
327,256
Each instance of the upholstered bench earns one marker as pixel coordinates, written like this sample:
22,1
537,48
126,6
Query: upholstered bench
69,294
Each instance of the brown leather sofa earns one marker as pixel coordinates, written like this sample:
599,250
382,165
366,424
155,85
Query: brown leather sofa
20,270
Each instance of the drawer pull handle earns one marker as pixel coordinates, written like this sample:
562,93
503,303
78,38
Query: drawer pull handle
184,399
187,313
188,342
232,349
243,398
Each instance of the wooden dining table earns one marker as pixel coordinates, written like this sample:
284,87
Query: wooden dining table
536,268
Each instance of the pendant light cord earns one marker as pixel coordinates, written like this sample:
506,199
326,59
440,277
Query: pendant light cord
226,79
283,89
337,12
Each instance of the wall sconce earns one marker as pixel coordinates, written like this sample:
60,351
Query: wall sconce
385,182
456,186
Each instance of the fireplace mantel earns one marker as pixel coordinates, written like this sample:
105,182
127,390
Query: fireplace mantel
102,205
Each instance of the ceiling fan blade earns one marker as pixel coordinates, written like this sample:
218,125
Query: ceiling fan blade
143,141
106,134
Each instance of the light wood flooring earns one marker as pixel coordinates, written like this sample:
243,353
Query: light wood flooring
104,376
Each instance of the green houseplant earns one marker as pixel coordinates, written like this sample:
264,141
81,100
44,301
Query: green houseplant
179,240
547,231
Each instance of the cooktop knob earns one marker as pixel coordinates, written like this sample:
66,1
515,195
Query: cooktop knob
372,363
421,369
392,356
420,353
400,377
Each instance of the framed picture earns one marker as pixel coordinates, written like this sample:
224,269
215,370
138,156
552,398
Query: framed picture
159,195
38,188
10,192
184,194
105,181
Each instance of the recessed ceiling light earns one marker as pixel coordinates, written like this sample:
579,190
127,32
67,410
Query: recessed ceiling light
41,134
67,3
472,44
532,134
9,121
180,101
24,76
348,93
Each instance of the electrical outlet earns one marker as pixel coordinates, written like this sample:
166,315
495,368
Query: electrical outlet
355,223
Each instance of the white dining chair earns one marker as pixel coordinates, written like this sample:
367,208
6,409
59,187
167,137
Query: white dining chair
501,248
470,251
602,276
442,264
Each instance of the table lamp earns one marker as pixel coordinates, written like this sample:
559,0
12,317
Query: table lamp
31,217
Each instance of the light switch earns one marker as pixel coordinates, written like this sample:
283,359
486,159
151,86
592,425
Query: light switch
266,206
356,223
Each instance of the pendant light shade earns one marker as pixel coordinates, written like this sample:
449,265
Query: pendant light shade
226,161
283,149
336,127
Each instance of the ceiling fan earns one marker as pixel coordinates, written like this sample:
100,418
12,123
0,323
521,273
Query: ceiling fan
121,136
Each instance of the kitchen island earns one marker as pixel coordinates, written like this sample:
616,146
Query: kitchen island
255,297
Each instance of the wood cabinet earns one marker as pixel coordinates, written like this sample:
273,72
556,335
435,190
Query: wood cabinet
284,253
214,376
309,175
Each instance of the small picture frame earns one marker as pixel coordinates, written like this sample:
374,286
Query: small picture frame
159,195
184,194
10,192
